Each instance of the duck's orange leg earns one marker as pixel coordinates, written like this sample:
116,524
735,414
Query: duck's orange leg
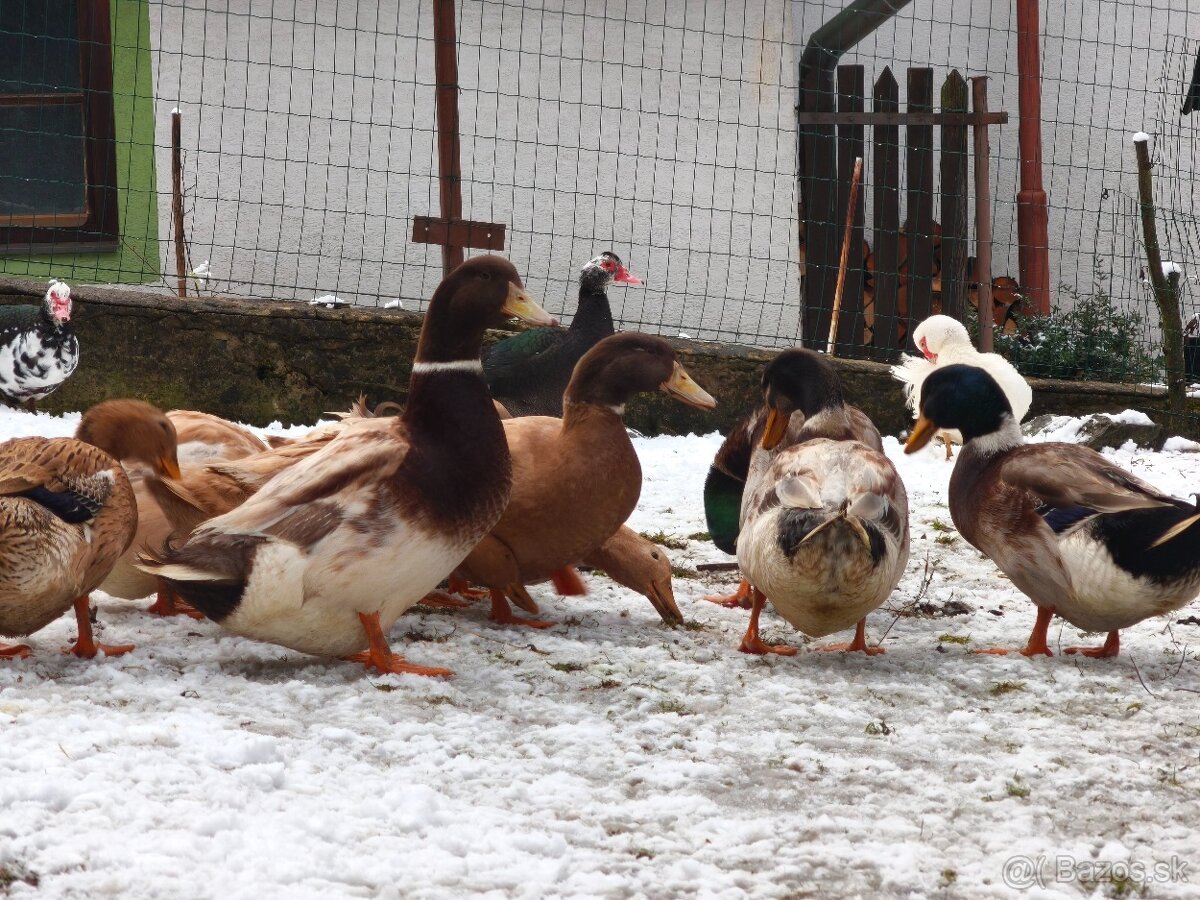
14,651
751,642
1112,646
1037,638
568,583
455,584
502,613
379,655
169,603
739,598
858,645
85,645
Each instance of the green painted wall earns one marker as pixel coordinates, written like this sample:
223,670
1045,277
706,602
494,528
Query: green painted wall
133,108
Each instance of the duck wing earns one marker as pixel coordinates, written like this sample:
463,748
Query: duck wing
506,361
726,481
68,478
912,371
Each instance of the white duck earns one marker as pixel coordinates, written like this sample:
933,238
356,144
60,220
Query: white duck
944,342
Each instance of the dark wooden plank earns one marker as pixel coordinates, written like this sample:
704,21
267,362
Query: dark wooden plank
954,201
818,186
461,233
886,215
900,118
917,260
851,144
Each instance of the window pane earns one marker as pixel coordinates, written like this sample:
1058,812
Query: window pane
39,46
42,162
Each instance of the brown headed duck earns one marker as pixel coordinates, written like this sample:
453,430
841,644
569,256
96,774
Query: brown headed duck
67,513
329,553
575,479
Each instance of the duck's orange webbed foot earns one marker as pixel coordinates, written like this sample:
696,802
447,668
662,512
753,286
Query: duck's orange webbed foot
1037,645
85,646
14,651
739,599
751,642
379,655
1112,647
443,600
858,645
502,613
168,603
456,584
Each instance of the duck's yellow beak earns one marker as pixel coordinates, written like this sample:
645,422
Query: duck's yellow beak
662,597
682,388
777,426
169,466
518,303
922,434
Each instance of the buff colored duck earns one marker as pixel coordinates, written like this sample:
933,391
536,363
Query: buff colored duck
575,479
67,513
1078,535
824,522
329,553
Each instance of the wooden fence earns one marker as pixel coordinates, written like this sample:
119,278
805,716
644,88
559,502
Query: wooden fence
913,266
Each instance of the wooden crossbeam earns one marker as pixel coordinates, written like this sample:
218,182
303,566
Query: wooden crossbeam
900,118
459,233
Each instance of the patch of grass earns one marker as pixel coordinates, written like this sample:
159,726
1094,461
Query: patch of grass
1017,788
642,853
670,541
567,666
945,539
441,700
999,688
15,873
949,876
940,526
699,536
684,572
609,683
673,706
880,727
953,639
693,625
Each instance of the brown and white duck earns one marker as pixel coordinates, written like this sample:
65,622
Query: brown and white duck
575,479
329,553
1079,536
67,513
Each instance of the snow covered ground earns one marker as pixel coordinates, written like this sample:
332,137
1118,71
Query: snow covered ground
611,756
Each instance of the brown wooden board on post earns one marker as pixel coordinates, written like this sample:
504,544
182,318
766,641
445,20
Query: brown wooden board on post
450,229
954,201
850,146
919,261
818,146
983,216
885,277
177,202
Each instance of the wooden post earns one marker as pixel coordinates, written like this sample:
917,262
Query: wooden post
1033,239
450,229
843,264
953,276
177,201
918,259
885,177
1166,287
851,81
983,216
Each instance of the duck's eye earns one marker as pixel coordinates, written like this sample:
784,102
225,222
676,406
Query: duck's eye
485,275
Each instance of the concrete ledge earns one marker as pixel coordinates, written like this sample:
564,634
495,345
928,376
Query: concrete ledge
258,361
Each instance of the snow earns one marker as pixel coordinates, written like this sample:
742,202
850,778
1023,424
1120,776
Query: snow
394,304
1171,268
329,301
610,756
1141,137
1180,445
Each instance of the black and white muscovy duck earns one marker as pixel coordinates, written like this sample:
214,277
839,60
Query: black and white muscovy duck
529,372
38,349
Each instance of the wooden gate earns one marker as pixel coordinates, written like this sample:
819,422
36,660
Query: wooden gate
915,265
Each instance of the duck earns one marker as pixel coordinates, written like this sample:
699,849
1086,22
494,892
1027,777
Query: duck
945,341
67,513
640,565
824,522
200,438
528,372
790,384
575,479
1081,537
38,349
330,552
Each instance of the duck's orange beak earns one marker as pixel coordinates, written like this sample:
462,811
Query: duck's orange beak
169,466
682,388
776,428
922,434
518,303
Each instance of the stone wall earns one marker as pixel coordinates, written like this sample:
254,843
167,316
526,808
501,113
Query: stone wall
258,361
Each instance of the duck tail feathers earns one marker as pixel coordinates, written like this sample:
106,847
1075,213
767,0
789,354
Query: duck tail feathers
1176,530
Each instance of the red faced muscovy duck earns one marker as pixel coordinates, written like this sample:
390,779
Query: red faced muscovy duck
38,349
528,373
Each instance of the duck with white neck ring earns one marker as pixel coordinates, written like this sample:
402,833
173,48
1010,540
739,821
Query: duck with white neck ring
1078,535
944,341
330,552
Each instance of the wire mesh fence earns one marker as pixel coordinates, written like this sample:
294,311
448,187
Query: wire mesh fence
664,131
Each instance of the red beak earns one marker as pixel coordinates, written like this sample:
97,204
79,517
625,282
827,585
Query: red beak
932,357
624,276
